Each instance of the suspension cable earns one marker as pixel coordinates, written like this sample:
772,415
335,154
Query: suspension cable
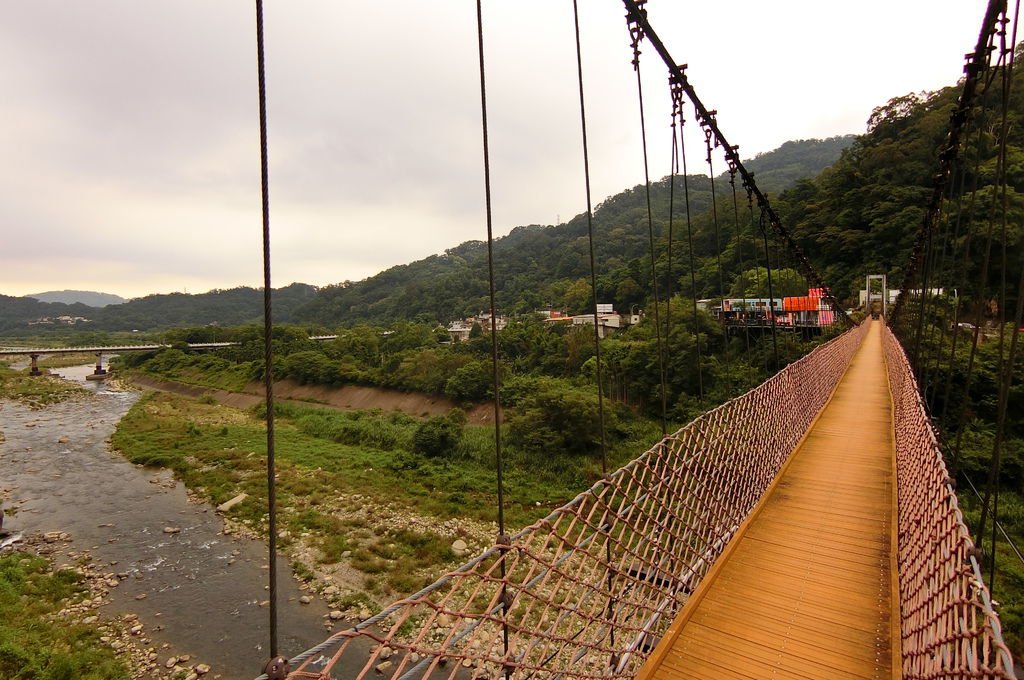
610,611
503,538
679,150
771,290
992,485
268,351
977,62
637,34
740,266
590,237
718,238
636,16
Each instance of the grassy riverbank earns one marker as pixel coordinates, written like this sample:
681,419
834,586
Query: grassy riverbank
355,496
36,391
35,641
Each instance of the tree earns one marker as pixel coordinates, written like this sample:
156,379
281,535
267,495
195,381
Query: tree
470,383
557,418
440,435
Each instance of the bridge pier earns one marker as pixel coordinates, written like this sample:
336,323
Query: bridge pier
34,368
100,373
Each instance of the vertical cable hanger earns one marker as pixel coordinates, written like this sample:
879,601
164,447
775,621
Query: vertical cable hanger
960,275
771,290
941,324
636,16
636,32
992,486
740,266
610,610
709,146
276,664
504,541
977,64
590,238
980,294
679,151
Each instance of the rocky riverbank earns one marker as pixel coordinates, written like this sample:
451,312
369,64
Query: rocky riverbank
124,633
161,565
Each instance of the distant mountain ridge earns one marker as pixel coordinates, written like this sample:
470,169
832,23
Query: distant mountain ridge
538,266
235,306
88,298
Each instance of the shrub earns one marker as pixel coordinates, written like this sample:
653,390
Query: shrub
558,418
440,435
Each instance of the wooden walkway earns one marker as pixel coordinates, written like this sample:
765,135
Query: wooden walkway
807,587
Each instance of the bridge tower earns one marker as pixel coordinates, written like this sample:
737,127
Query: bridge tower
870,295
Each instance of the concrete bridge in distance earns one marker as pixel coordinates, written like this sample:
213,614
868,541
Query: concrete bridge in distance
35,352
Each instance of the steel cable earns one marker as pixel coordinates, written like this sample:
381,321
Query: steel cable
268,351
636,32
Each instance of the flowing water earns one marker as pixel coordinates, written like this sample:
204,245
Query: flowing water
198,590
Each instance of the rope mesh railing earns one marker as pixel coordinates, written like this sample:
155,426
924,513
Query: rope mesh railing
590,589
949,629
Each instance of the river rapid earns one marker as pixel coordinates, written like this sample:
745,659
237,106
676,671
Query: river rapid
195,589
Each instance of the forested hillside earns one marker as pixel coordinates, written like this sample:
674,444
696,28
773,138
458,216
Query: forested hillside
862,214
547,266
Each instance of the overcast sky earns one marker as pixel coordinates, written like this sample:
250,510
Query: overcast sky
129,132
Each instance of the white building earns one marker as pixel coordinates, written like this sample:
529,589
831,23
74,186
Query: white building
606,323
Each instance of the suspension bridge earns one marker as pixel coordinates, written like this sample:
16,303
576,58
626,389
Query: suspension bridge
826,542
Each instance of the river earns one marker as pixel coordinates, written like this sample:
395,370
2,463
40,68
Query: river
197,590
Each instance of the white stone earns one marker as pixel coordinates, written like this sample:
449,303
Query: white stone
227,505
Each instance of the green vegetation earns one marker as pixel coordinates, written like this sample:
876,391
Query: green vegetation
34,643
439,436
221,451
969,416
36,391
333,467
859,215
416,357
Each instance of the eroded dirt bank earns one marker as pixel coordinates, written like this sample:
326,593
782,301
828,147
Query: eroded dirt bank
347,397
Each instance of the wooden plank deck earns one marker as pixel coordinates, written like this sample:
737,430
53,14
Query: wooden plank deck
807,587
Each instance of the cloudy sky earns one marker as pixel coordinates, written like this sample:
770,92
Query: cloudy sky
129,136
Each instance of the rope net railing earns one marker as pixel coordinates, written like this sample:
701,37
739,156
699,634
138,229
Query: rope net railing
589,590
949,629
